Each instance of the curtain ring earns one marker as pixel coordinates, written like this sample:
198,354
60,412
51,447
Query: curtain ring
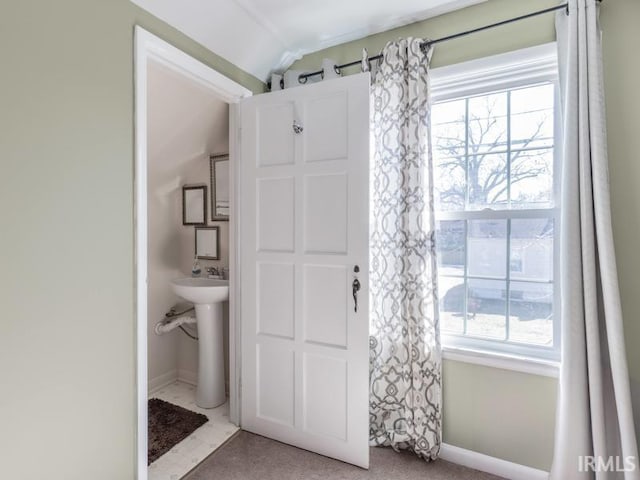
365,64
302,79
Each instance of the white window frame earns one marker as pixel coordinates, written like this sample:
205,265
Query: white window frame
512,70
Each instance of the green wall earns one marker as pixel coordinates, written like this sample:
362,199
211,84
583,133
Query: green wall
67,344
500,413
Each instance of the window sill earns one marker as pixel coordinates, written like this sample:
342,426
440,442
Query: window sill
533,366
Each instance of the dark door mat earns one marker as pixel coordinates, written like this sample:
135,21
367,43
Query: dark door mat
169,424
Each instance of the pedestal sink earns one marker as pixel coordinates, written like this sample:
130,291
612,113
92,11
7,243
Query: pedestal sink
207,295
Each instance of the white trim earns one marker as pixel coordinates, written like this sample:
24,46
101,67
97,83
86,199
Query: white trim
157,49
497,72
501,72
140,253
149,47
234,266
162,381
497,214
492,465
533,366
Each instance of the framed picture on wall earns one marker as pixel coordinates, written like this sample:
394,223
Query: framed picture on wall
207,243
194,205
219,168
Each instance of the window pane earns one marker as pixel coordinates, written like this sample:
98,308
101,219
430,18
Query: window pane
488,248
451,296
532,119
450,184
532,179
531,313
450,237
486,308
532,249
488,123
448,128
496,152
448,133
487,180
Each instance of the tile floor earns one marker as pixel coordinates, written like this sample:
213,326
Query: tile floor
186,455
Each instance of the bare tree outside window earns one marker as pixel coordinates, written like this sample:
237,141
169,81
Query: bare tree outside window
497,149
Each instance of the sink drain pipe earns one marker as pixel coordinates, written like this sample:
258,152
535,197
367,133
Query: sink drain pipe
176,319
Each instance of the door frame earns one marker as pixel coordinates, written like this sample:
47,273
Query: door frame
150,47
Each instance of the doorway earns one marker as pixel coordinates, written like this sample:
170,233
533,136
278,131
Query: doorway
154,55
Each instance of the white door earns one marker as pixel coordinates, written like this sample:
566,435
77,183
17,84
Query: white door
304,230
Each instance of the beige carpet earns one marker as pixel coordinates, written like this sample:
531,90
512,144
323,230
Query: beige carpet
249,457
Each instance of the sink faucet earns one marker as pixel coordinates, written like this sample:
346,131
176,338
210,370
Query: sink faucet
213,271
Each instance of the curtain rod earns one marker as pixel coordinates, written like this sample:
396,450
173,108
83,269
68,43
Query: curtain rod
302,78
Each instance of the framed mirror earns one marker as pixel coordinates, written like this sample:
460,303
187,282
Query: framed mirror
194,205
207,243
219,167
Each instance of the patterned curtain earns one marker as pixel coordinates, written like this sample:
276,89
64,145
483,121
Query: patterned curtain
405,356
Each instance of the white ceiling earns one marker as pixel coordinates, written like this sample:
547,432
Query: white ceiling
261,36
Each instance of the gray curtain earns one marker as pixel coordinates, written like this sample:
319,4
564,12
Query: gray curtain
405,356
594,416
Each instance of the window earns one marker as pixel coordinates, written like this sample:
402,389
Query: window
494,149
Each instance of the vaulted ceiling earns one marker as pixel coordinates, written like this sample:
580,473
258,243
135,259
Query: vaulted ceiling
261,36
186,122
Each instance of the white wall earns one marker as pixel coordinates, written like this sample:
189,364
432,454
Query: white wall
186,123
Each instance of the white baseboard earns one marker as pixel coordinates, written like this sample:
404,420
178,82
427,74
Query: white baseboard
181,375
161,381
485,463
191,378
187,376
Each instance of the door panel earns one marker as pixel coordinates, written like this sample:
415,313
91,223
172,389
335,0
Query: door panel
326,140
324,389
274,135
326,205
275,374
275,308
304,215
275,214
325,304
